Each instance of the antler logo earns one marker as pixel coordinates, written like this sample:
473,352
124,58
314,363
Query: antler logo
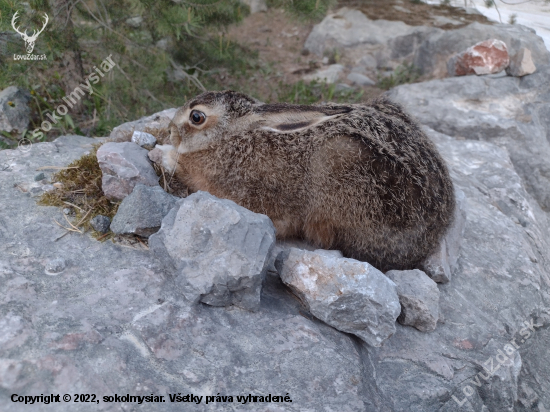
29,40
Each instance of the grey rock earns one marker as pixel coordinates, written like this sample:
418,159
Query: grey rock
368,61
114,322
513,113
124,165
359,69
521,63
372,43
39,177
155,124
349,295
134,21
336,254
419,298
15,113
498,286
428,48
101,223
349,28
256,6
360,79
144,139
142,211
217,251
442,263
432,54
329,75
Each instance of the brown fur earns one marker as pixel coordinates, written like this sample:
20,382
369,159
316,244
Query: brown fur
360,178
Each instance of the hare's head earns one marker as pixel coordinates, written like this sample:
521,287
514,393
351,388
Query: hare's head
208,117
212,115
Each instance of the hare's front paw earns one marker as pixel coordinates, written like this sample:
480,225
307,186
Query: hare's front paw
164,155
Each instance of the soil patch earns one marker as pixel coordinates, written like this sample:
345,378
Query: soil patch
416,13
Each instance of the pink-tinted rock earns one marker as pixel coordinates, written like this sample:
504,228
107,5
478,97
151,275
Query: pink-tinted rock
521,63
124,165
487,57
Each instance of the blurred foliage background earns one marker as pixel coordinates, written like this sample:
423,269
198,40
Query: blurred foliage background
166,51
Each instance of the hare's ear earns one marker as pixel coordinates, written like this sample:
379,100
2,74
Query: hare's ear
284,118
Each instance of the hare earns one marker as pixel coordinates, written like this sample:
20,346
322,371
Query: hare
361,178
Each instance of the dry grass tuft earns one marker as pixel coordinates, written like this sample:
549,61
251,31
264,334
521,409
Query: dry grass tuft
81,191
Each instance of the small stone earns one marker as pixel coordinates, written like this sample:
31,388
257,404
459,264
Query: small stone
329,75
101,223
217,251
124,165
521,63
419,298
67,211
486,57
39,177
134,22
155,155
143,139
360,79
141,212
58,185
324,60
55,266
349,295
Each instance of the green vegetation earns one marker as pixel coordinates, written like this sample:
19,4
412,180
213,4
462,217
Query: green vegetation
404,73
165,52
313,92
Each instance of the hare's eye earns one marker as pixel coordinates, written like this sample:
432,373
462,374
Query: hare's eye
197,117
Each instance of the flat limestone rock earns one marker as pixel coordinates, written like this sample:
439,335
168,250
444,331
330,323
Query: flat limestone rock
217,250
82,316
349,295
